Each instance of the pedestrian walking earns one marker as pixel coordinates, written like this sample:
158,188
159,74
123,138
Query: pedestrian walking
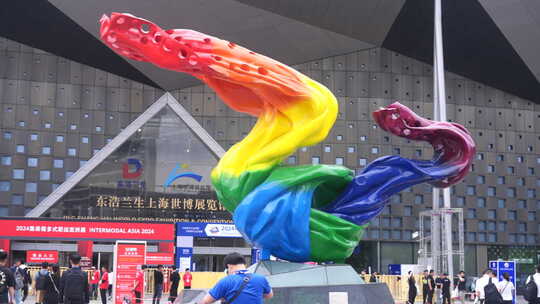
507,289
438,289
431,285
7,281
20,274
175,282
532,282
52,284
94,283
412,288
74,284
138,285
482,283
425,287
158,285
445,289
460,284
40,279
112,280
239,286
104,284
188,278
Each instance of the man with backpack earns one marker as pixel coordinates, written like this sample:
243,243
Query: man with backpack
7,281
21,280
532,287
41,277
486,289
74,284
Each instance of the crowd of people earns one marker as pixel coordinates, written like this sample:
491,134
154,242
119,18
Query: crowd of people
488,289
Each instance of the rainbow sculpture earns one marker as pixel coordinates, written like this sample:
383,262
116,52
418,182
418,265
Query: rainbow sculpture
296,213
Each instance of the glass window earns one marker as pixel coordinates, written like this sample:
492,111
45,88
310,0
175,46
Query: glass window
501,180
480,179
59,138
17,199
492,214
510,147
44,175
54,186
7,135
396,234
407,211
58,163
522,204
491,191
32,162
34,137
418,199
69,174
46,150
363,138
291,160
490,168
520,181
97,150
98,128
521,238
482,225
512,215
73,127
512,237
72,152
5,186
17,174
20,148
6,160
339,137
396,199
531,193
481,236
471,236
83,162
492,237
108,140
480,156
48,125
4,211
84,139
374,234
519,159
530,171
502,226
397,222
501,203
531,215
375,222
385,234
351,149
339,160
35,111
471,190
500,158
522,227
22,123
85,115
315,160
407,235
327,148
374,150
362,162
510,170
481,202
491,226
471,213
511,192
31,187
460,201
531,239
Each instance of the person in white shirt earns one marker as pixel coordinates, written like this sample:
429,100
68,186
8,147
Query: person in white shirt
536,278
506,288
482,282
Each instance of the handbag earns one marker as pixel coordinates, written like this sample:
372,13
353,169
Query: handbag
455,293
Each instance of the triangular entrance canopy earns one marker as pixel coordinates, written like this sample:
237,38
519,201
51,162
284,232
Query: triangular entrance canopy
157,169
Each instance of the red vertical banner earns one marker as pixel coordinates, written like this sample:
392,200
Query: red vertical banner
129,257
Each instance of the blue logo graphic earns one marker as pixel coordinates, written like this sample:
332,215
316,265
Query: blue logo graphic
176,174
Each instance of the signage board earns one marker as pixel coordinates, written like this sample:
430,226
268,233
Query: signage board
40,256
129,256
207,230
95,230
394,269
159,258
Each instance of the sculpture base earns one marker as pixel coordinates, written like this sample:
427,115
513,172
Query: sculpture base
320,284
295,283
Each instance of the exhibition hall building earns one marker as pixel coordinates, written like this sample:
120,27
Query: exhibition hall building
90,141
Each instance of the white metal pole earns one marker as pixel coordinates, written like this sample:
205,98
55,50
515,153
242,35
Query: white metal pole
441,116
